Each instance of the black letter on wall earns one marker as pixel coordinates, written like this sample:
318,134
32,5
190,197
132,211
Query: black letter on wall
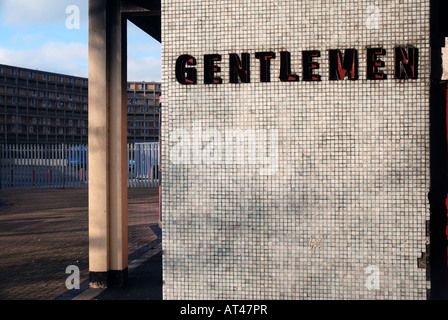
309,65
342,67
373,64
186,75
285,67
210,69
239,68
406,65
265,65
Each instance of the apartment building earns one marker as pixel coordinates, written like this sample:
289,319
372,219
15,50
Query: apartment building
44,107
143,111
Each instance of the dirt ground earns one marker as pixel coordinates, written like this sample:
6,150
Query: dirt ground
43,231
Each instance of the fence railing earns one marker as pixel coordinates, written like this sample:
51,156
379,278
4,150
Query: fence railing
143,161
66,165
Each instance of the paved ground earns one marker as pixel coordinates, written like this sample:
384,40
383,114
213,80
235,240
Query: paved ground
43,231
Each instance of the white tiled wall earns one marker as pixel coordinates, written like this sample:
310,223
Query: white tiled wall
328,200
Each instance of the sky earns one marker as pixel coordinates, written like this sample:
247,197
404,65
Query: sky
52,35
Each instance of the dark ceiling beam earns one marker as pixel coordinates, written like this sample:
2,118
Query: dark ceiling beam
151,25
152,5
145,14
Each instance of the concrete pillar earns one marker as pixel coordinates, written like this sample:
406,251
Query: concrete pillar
108,239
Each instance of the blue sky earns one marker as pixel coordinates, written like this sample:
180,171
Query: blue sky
33,34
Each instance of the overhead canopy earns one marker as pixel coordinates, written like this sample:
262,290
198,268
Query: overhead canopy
145,14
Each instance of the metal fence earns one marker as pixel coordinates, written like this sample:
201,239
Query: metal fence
143,161
66,165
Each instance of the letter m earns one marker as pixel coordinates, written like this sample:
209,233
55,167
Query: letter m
340,67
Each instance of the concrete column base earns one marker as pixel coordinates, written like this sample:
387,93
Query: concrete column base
109,279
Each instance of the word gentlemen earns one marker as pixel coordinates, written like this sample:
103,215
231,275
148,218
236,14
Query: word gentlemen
341,66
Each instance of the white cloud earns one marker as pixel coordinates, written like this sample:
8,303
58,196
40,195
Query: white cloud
144,56
67,58
40,12
40,40
144,69
152,48
72,58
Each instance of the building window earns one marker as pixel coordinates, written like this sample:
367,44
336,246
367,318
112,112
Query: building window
31,129
31,75
61,130
45,76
